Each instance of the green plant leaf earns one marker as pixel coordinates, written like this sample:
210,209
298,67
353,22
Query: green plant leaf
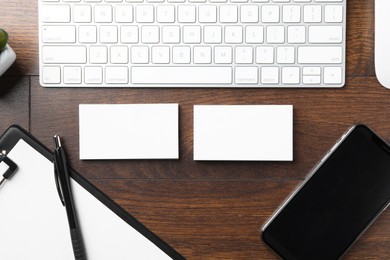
3,39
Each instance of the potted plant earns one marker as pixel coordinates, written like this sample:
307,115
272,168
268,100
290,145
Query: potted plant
7,55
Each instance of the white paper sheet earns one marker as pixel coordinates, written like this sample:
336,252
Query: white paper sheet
243,132
129,131
33,222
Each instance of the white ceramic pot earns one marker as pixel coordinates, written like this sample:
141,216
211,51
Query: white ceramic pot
7,58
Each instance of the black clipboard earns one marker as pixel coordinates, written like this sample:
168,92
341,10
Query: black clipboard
12,136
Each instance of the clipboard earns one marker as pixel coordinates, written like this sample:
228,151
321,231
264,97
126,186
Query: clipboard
130,239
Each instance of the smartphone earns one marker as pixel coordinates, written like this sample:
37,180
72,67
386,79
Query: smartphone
336,203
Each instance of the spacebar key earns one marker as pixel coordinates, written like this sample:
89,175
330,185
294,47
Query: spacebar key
181,75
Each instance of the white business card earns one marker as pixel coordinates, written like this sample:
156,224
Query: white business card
243,132
129,131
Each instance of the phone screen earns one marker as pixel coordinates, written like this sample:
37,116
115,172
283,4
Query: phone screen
337,203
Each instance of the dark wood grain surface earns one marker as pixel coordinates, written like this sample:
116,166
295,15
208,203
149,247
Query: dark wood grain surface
205,210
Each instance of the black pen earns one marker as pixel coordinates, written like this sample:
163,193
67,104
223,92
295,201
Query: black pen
64,190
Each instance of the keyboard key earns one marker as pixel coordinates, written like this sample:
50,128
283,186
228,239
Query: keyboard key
124,13
129,34
166,13
296,34
228,14
291,14
328,1
312,71
249,13
55,13
59,34
264,55
233,34
270,14
144,13
160,54
202,55
181,75
290,75
275,34
82,13
150,34
285,55
207,13
223,55
93,75
139,54
318,55
87,34
103,13
311,80
117,75
171,34
108,34
254,34
325,34
246,75
181,55
269,75
51,75
64,54
72,75
243,55
212,34
191,34
333,13
119,54
186,13
312,14
98,54
332,75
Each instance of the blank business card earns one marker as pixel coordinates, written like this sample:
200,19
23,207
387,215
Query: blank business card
129,131
243,132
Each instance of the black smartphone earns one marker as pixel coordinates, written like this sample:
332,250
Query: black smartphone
336,203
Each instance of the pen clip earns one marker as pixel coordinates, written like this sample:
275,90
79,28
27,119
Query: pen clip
57,179
11,165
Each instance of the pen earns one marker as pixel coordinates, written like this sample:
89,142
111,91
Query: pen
63,186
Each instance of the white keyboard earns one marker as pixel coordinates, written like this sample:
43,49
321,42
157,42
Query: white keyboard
192,43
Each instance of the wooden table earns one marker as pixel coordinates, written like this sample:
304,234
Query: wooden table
205,210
